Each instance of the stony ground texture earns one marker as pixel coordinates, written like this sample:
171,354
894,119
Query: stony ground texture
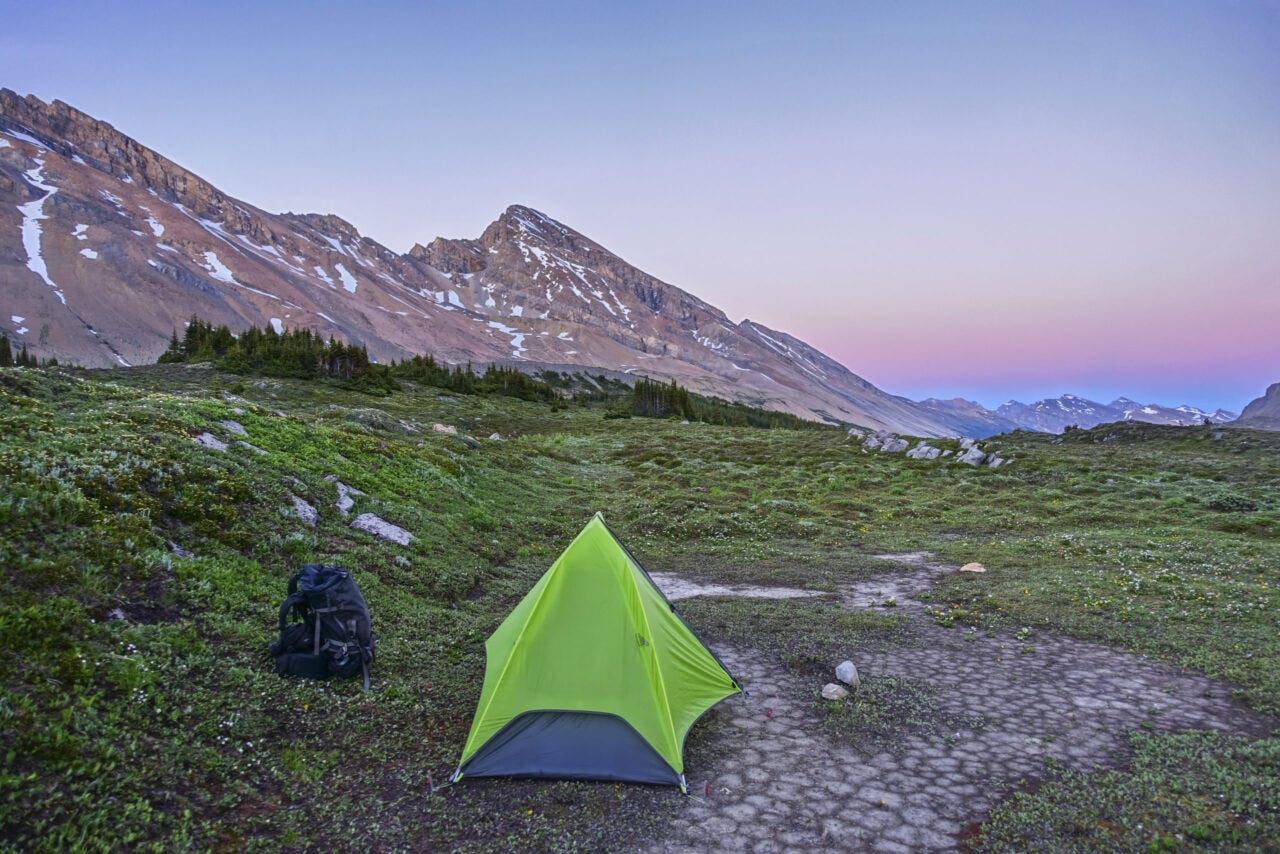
773,779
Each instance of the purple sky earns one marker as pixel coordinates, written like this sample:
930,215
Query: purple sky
988,200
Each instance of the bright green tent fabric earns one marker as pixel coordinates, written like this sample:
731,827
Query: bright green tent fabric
595,635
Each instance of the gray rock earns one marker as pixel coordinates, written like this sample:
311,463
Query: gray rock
253,448
887,442
967,443
497,437
848,674
345,501
894,445
211,441
305,511
445,428
235,427
382,529
178,550
856,435
995,462
924,451
973,456
832,691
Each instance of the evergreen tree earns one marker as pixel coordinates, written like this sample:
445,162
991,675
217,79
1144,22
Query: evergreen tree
6,353
175,352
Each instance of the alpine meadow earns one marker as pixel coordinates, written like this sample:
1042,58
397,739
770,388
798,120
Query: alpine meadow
653,428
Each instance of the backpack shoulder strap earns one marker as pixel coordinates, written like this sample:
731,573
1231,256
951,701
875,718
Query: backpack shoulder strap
294,600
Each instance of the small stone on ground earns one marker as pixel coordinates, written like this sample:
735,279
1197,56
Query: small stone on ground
832,691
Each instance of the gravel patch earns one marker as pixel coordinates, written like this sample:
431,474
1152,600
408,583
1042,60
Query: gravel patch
767,776
676,587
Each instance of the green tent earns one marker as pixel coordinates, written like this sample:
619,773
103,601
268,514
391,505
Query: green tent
593,676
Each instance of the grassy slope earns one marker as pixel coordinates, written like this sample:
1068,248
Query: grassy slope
168,728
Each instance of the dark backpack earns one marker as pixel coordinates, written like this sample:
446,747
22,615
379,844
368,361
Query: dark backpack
324,626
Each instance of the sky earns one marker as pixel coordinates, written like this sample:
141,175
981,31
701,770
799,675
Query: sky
976,199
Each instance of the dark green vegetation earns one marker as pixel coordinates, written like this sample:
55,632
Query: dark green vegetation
1195,790
21,359
301,354
137,709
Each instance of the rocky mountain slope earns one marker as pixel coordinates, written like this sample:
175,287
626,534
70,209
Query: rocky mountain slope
1262,413
969,418
107,247
1053,415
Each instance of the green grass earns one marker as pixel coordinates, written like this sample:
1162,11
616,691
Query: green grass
1192,791
137,708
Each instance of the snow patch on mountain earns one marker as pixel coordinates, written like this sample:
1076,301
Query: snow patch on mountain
348,280
32,214
517,337
157,228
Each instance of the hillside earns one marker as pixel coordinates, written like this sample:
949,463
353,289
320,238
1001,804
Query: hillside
152,517
1262,413
107,247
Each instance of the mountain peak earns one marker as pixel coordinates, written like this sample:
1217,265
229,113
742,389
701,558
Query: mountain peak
527,223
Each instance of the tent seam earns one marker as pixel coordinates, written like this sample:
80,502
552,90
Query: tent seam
482,714
671,605
657,665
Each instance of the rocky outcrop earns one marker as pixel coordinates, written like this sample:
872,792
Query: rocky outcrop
885,442
1262,413
924,451
970,452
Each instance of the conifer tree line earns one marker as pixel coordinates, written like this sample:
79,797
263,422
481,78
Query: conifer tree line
298,353
301,354
652,399
21,359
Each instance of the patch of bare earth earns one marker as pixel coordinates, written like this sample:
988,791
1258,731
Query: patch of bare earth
767,776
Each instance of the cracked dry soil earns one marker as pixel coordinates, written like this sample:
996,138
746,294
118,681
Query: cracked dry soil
772,779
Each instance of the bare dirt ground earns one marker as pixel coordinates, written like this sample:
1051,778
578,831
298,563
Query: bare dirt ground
773,779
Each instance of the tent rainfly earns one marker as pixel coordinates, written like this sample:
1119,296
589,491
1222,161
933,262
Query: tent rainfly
593,676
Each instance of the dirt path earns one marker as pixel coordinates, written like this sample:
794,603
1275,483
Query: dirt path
778,782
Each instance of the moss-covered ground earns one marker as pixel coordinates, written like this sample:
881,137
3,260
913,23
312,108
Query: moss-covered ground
137,709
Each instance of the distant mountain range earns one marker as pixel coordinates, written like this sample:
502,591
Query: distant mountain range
1052,415
107,247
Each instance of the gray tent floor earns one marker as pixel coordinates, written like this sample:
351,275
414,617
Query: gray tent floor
769,778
